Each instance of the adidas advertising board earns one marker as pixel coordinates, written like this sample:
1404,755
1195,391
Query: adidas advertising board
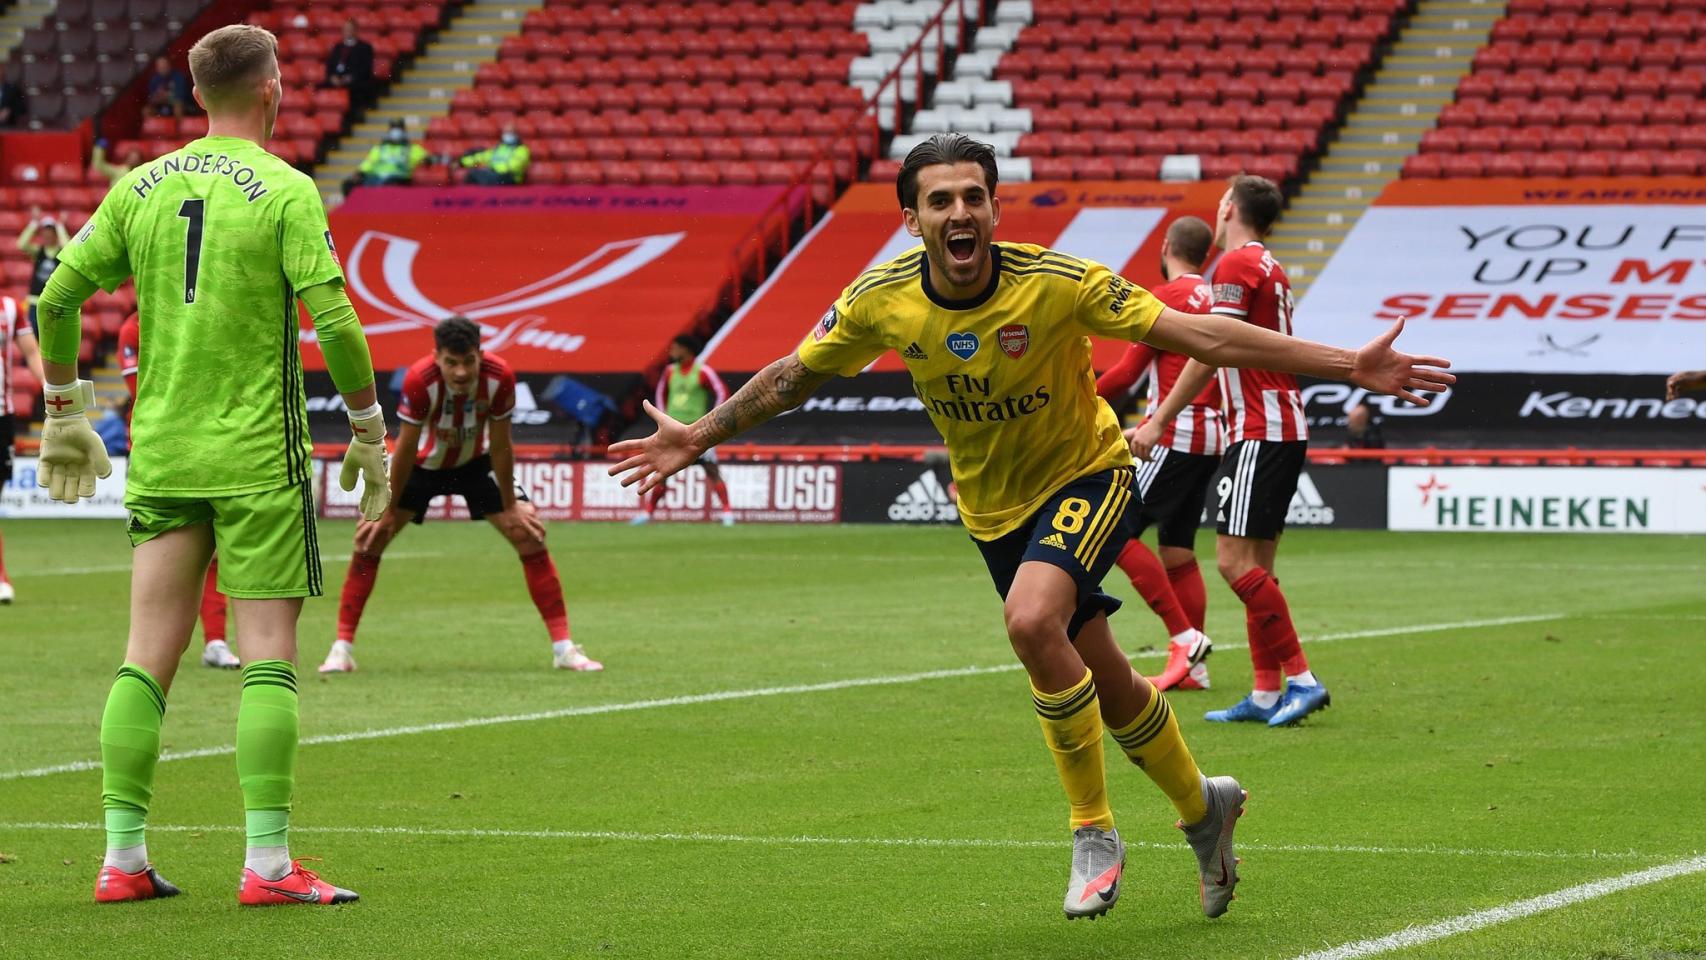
1338,495
897,491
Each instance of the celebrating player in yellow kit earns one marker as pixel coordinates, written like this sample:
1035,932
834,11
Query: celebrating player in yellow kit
996,337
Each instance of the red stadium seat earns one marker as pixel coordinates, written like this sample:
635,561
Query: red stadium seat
1424,165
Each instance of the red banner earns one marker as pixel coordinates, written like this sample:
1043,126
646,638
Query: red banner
1118,223
560,490
561,279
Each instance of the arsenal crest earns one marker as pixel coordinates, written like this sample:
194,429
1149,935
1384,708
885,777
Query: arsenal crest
1015,339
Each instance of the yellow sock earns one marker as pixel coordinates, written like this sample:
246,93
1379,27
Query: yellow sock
1154,743
1072,728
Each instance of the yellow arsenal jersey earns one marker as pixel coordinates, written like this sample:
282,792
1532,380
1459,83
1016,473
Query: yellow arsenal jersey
1004,375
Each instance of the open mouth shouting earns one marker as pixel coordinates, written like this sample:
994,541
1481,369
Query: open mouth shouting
962,247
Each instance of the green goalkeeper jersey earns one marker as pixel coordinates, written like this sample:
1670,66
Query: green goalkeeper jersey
221,237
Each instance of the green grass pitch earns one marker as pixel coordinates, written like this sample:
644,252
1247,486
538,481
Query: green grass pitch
1512,716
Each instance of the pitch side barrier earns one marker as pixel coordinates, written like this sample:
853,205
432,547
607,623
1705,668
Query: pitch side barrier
1547,491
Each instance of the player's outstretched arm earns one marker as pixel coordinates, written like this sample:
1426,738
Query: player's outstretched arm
1376,367
778,388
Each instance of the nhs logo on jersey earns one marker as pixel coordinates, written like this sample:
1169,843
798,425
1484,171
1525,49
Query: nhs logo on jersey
962,345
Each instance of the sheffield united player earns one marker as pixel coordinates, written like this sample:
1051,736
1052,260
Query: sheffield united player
452,399
1258,476
14,328
1172,485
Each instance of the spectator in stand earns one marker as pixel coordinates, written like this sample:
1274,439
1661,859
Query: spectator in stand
1362,428
349,65
114,172
46,251
504,164
1687,381
168,89
390,162
14,110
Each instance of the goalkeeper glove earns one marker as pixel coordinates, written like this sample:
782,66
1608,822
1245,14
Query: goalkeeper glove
367,459
72,454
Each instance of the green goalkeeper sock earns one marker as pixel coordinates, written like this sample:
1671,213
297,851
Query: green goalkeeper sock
266,759
130,748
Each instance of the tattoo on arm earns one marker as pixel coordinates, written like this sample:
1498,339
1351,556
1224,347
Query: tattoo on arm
781,387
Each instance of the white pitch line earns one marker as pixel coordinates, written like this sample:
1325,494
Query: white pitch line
696,836
724,695
1414,936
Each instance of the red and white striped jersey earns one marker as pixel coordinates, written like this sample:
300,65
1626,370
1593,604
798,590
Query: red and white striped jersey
453,425
1263,405
1197,428
13,321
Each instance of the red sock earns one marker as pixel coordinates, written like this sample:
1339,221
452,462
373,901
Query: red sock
212,605
358,586
720,494
1188,587
1144,568
547,593
1265,666
1268,616
655,499
2,561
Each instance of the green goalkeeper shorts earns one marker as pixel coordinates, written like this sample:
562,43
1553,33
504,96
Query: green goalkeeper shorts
265,541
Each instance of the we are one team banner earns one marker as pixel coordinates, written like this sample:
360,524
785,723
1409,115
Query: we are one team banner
561,279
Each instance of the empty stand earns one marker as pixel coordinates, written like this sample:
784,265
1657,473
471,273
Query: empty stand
700,93
1575,89
1102,89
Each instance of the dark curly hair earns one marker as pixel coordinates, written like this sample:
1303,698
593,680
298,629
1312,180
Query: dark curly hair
456,334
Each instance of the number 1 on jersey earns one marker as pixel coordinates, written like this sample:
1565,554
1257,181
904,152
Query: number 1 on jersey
193,211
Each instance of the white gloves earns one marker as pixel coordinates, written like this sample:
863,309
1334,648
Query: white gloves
72,455
368,459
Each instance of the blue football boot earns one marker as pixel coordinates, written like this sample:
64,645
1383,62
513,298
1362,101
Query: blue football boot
1244,711
1299,701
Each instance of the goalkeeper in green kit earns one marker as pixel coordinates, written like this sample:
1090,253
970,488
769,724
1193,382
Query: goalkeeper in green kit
222,238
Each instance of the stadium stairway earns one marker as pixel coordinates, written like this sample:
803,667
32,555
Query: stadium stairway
15,20
1415,81
970,100
449,64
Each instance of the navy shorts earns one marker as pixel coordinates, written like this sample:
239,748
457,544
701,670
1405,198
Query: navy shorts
1172,487
1080,529
1257,480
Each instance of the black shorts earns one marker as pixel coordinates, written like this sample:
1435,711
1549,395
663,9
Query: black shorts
1257,480
474,482
8,436
1080,529
1172,487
